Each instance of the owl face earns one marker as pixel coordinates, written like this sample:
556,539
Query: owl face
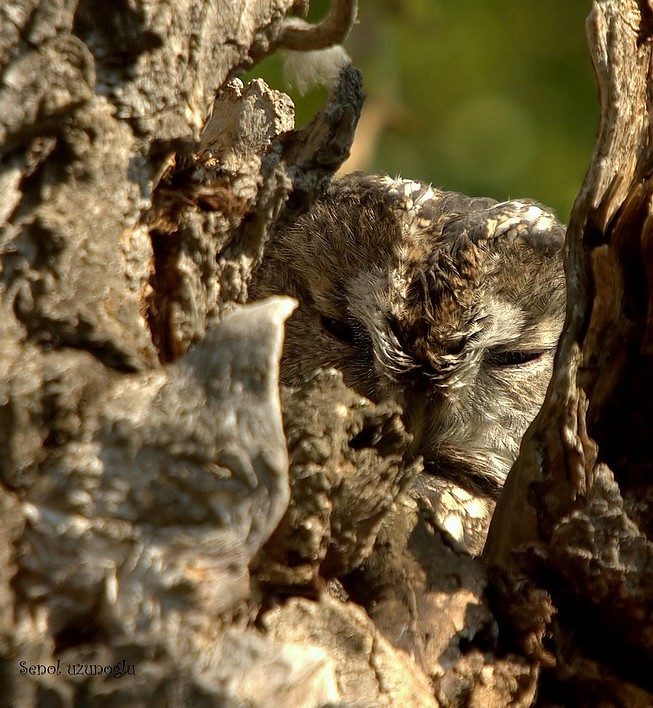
450,305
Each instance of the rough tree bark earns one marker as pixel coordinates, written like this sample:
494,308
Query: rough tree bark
570,542
156,521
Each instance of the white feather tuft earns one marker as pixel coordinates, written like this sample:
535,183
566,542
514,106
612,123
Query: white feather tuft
306,70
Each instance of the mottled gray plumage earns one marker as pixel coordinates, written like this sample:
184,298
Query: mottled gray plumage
448,304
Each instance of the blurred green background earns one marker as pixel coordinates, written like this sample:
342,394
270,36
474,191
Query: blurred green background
492,98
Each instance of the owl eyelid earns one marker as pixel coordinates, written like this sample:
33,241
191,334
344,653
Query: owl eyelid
515,357
339,329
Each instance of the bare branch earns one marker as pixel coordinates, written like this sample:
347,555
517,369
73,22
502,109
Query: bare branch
301,36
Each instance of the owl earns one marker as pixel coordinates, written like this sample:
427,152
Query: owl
450,305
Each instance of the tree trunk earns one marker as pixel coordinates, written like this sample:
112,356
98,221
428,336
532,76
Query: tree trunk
570,541
168,537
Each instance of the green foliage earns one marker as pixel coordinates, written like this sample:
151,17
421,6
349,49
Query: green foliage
490,98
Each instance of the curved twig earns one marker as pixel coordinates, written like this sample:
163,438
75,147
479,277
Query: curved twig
302,36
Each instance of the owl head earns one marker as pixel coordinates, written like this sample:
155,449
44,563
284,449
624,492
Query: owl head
448,304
